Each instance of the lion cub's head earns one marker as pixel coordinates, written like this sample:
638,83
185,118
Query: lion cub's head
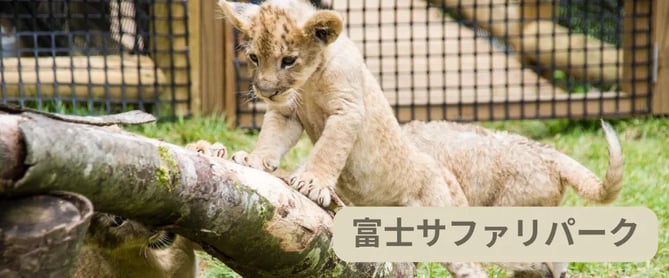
115,232
284,40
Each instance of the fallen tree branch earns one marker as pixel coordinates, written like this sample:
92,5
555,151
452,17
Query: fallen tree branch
130,117
528,27
41,235
246,218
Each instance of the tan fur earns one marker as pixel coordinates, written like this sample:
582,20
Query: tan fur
359,150
112,250
330,94
501,169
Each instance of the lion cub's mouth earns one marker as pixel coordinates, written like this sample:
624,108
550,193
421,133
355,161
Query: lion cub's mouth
276,93
278,96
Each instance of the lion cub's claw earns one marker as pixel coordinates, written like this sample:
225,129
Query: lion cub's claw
204,147
311,186
246,159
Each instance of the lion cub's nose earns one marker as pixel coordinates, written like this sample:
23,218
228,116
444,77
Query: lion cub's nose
265,89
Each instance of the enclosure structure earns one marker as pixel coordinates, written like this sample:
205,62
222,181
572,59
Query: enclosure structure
93,56
464,60
474,60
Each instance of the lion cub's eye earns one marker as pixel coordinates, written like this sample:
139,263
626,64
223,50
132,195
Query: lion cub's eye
253,58
116,221
288,61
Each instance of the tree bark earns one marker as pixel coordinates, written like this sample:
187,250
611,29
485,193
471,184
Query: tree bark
249,219
41,235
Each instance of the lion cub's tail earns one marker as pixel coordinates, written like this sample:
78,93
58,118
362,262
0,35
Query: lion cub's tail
586,183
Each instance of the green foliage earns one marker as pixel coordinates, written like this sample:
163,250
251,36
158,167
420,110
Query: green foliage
570,83
168,169
183,131
646,178
212,268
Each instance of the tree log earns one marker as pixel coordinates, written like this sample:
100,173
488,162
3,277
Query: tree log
249,219
501,18
554,46
529,28
41,235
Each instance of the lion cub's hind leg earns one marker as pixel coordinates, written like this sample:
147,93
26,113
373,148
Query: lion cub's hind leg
441,189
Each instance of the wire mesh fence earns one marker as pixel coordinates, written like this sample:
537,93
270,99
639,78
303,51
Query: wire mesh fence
94,56
464,60
475,60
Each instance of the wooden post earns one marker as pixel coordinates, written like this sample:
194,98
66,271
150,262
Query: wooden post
637,50
170,47
229,78
212,60
660,100
195,37
207,43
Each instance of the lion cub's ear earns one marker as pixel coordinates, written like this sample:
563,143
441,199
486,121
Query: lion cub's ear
323,27
238,14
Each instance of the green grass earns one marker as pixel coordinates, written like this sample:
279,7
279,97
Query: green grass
213,129
646,182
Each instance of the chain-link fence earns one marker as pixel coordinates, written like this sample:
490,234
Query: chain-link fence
464,60
94,56
473,60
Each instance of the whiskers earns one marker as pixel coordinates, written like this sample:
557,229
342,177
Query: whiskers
241,46
144,252
296,99
249,97
161,240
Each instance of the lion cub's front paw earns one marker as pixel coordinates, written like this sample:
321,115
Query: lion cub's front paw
309,184
217,149
246,159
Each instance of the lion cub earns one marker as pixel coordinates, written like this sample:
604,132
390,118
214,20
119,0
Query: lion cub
496,168
314,79
117,247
